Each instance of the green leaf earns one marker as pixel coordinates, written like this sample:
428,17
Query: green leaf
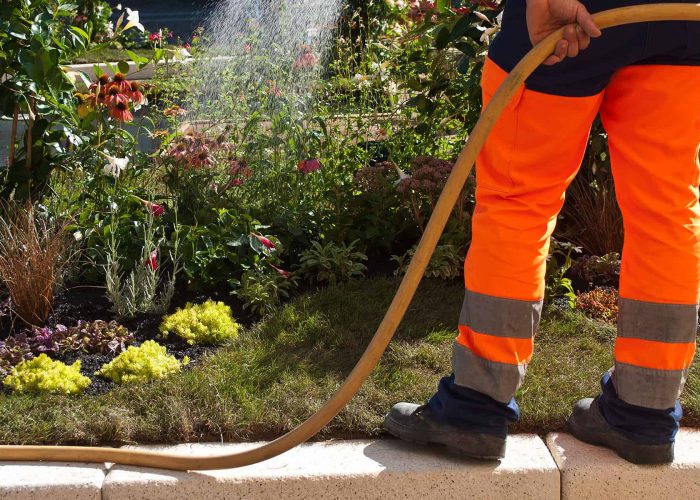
442,39
98,71
80,32
123,66
463,64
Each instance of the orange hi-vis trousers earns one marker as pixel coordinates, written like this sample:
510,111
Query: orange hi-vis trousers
652,116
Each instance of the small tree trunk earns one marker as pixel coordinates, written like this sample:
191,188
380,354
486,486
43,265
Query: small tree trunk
30,142
13,133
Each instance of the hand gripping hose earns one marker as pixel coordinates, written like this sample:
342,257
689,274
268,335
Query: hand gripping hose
397,309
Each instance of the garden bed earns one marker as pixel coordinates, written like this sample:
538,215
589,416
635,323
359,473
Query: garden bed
285,367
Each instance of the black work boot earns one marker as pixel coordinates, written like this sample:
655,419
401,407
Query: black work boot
413,423
587,424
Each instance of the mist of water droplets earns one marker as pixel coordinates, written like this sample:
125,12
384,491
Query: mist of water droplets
263,48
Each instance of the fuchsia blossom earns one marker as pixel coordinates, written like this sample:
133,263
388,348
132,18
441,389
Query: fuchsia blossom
282,272
156,210
265,241
308,166
153,37
152,261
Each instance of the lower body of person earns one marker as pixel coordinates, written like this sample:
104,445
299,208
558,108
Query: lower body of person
644,82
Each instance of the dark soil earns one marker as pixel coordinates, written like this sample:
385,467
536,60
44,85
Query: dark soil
90,304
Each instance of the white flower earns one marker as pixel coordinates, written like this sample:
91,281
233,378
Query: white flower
115,166
363,81
392,88
78,235
402,175
381,69
132,20
487,32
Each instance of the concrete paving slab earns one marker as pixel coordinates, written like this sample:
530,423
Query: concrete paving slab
58,481
349,469
594,472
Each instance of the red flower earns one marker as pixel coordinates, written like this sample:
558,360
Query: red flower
462,11
156,210
136,94
308,166
119,108
201,157
265,242
152,261
153,37
119,81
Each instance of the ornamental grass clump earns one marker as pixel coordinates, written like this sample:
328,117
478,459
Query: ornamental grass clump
34,252
43,374
207,323
150,361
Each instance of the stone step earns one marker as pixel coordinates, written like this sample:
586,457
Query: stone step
594,472
384,469
57,481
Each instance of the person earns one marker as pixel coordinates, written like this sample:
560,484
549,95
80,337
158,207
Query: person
644,82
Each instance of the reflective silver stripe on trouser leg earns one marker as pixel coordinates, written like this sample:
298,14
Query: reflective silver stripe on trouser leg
499,317
667,323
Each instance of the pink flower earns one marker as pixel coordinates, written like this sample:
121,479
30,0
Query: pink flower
80,18
282,272
152,261
119,109
306,59
247,48
155,37
265,241
308,166
462,11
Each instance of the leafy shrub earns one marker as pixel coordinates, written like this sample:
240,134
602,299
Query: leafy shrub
446,263
208,323
13,351
149,361
599,271
139,292
213,252
42,374
559,261
332,263
599,303
34,253
94,337
261,290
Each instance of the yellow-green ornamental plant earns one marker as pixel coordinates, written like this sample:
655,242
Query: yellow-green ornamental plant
43,374
208,323
149,361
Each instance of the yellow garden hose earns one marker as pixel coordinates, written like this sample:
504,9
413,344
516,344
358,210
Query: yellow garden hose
397,309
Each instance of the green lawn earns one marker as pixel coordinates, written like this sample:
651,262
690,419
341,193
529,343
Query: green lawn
285,367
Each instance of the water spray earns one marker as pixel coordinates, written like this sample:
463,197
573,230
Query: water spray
402,299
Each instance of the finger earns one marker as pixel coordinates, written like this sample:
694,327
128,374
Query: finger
551,60
585,20
572,39
583,39
559,54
